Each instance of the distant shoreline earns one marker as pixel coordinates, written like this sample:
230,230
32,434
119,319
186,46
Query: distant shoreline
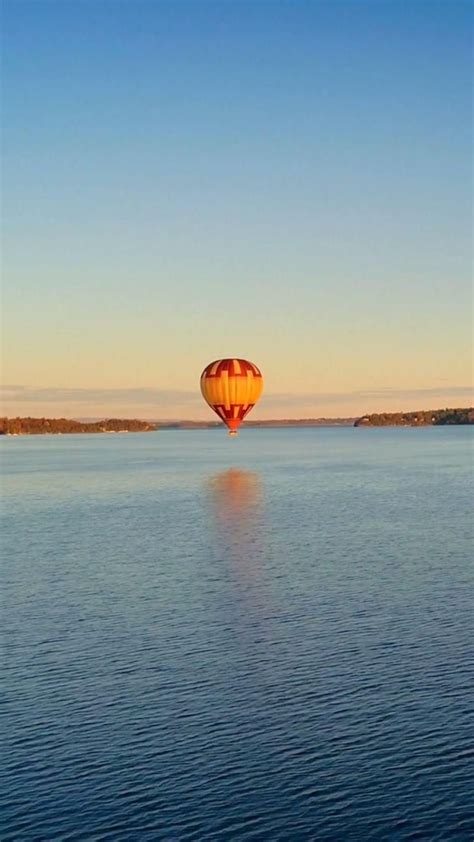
21,426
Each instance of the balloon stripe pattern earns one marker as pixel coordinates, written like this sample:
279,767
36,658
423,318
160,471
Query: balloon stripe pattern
231,387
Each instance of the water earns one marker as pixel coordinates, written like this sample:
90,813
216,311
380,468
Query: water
267,638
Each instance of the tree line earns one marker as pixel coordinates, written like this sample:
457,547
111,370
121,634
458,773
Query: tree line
36,426
422,418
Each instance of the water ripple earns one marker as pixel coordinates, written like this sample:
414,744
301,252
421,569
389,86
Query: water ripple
278,651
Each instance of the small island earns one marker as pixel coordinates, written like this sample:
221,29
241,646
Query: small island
58,426
421,418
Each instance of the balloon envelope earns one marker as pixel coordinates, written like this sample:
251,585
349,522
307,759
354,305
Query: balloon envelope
231,387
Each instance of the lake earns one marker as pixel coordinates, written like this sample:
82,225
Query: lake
261,638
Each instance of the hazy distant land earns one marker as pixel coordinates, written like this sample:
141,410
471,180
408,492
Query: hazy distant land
420,418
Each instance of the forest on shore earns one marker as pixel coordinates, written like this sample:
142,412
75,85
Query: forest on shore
58,426
422,418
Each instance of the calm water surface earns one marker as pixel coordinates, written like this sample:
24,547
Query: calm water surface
267,638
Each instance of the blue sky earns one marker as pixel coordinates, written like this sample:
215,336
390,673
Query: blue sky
285,181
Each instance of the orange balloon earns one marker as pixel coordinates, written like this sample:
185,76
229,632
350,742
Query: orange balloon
231,388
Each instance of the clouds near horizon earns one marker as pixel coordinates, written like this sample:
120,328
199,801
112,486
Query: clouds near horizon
164,404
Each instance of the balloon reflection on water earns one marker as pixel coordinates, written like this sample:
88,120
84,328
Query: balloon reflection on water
239,534
236,504
235,492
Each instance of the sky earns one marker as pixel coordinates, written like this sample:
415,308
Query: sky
287,182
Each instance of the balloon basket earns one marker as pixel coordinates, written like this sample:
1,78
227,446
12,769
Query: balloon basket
232,432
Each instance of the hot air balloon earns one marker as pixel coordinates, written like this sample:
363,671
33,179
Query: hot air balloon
231,388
